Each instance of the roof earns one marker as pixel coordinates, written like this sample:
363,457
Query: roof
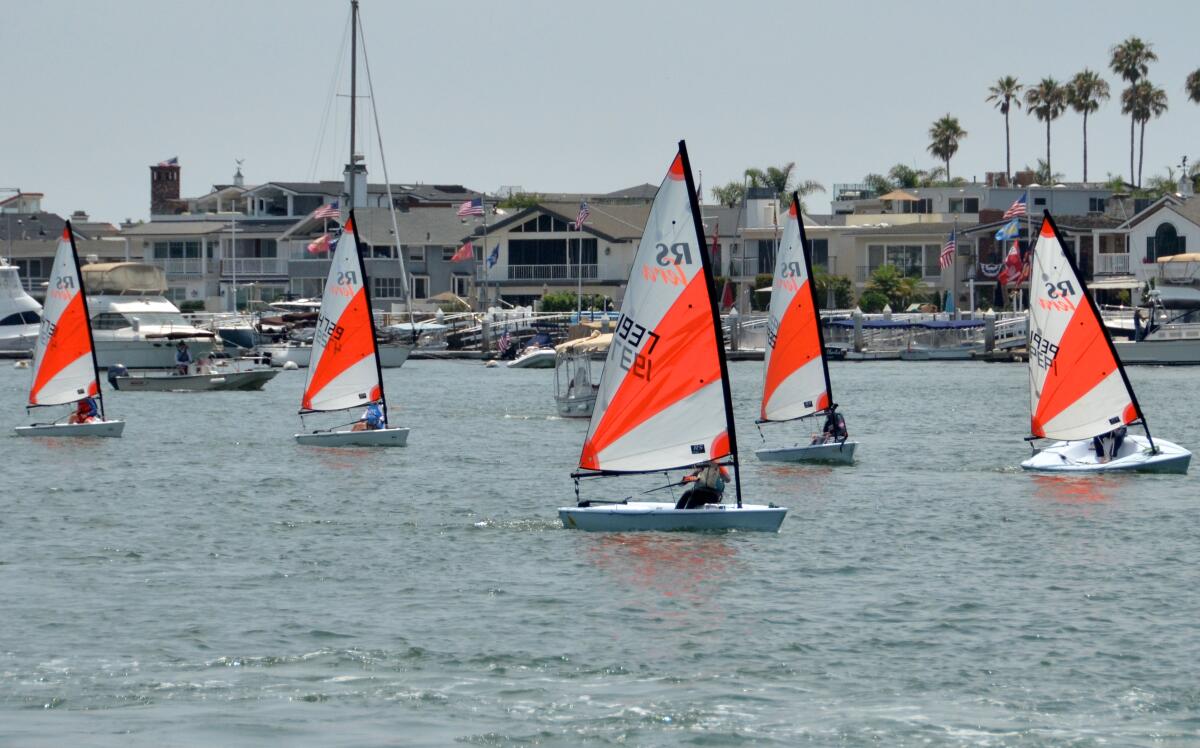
421,192
900,195
417,226
904,229
644,191
614,222
175,228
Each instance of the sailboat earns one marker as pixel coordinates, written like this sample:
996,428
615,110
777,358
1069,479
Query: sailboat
663,403
1078,389
64,359
795,373
345,371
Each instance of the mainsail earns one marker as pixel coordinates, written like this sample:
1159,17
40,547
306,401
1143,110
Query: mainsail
64,361
795,374
344,370
663,400
1077,388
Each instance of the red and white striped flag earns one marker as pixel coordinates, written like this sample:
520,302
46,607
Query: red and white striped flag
948,249
326,211
1018,208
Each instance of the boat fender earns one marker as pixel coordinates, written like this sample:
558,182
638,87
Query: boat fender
114,371
289,365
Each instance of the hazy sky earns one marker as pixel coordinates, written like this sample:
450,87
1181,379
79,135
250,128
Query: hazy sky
555,95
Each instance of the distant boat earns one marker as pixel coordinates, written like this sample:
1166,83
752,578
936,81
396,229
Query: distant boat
345,373
64,359
20,314
795,374
1078,389
663,402
575,383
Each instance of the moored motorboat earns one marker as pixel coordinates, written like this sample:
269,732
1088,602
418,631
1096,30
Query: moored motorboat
20,314
534,357
201,377
575,384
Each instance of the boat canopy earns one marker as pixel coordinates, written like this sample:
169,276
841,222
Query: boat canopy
131,278
949,324
594,343
873,323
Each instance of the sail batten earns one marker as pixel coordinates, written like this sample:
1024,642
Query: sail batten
1077,387
344,371
662,400
795,373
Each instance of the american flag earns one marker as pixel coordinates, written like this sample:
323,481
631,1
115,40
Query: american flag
327,211
584,212
1018,208
948,250
172,161
472,207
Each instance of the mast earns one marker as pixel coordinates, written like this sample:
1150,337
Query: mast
812,289
87,316
709,281
362,268
1087,295
353,91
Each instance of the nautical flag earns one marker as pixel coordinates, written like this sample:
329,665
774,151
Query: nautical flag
494,256
505,342
1018,208
472,207
727,297
1012,266
948,250
584,212
1008,230
464,253
172,161
320,244
327,211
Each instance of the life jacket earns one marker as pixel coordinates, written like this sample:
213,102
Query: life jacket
374,416
90,408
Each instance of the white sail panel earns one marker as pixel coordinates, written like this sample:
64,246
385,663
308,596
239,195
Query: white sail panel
794,380
660,404
1076,388
343,371
63,367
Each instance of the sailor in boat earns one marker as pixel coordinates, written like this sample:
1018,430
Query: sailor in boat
372,419
709,480
834,429
1116,437
183,358
86,412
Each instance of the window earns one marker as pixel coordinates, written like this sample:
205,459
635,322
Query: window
461,285
448,253
543,224
420,286
21,318
1165,242
110,321
1041,201
766,256
964,205
820,252
32,268
387,288
415,254
550,251
1096,204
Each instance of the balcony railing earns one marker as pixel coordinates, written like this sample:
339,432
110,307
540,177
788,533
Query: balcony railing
926,272
744,267
176,266
550,272
1111,264
248,266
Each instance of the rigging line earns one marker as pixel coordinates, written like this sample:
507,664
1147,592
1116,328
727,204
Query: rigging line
387,185
329,100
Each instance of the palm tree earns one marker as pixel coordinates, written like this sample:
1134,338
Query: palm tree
1131,60
1143,101
1193,86
1084,93
1006,93
944,136
779,180
905,176
729,194
1047,100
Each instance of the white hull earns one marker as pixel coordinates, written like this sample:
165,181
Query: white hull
576,407
872,355
541,358
231,380
389,437
135,353
644,515
19,339
93,429
1135,456
1180,352
391,355
841,454
940,354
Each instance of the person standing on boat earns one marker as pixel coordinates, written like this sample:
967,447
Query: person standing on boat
1116,436
86,411
709,480
834,428
183,358
372,419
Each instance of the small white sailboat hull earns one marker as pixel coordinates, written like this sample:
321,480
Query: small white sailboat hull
93,429
1135,456
639,516
391,437
835,453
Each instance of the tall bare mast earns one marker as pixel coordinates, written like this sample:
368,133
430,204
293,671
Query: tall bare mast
353,90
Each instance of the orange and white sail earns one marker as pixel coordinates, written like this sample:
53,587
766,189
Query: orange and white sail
64,367
1077,388
795,375
661,403
344,370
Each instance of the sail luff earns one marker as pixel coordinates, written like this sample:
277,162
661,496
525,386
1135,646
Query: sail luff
362,268
88,316
812,287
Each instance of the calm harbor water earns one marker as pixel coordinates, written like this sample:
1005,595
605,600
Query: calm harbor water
205,581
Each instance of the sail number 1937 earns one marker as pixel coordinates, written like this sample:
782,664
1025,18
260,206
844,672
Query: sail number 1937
636,346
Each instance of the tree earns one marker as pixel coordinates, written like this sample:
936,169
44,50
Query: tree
878,184
730,194
906,177
1193,86
839,287
1043,174
520,200
886,280
1143,101
1131,60
944,135
1006,93
872,301
1084,93
779,180
1047,101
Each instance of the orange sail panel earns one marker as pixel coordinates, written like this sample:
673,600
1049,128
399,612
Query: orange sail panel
794,380
660,403
344,372
1076,387
63,368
